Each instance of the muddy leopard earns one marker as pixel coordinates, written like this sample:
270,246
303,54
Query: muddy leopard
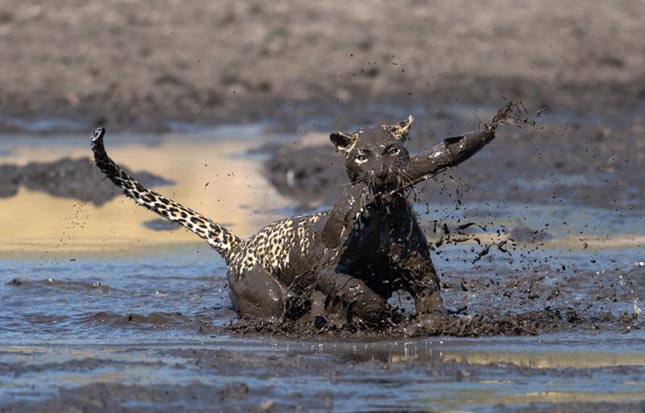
354,256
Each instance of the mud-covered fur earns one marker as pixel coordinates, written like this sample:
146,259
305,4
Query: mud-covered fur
353,256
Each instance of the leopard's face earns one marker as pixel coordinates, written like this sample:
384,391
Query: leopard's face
375,155
376,159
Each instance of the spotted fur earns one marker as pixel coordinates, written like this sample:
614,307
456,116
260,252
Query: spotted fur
219,238
272,245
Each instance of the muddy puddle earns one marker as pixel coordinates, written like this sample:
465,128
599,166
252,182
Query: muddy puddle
103,308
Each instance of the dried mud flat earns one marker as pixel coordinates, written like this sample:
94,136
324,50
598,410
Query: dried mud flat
131,65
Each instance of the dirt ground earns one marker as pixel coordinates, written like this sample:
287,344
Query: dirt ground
137,65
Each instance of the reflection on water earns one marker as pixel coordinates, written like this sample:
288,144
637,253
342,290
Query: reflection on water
209,177
546,352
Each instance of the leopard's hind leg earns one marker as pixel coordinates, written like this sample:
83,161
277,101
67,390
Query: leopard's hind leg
257,295
219,238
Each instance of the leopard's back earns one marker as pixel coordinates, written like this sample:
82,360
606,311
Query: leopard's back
272,246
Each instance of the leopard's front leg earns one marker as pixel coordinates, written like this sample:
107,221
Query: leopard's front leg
351,299
419,278
451,152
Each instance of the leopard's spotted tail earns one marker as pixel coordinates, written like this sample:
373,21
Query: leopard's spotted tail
218,237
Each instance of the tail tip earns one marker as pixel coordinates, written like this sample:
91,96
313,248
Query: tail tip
98,133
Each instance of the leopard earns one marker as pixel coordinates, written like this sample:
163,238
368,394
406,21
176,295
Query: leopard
352,257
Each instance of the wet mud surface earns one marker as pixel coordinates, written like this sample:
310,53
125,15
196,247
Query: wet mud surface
65,178
549,321
525,302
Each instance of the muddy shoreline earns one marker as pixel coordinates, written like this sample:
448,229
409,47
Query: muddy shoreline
137,68
66,178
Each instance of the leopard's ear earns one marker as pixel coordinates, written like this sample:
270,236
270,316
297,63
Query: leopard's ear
343,141
400,130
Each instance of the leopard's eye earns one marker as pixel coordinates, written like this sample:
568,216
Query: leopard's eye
393,151
362,158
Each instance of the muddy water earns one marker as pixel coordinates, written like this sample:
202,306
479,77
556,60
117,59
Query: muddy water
101,312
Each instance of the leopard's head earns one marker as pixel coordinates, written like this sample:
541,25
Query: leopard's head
375,155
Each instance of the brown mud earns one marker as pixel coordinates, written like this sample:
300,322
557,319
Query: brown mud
539,301
129,65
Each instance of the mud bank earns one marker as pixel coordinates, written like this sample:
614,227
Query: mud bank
66,178
138,67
